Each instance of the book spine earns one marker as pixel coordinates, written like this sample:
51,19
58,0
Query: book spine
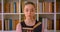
10,24
11,7
50,24
14,7
22,6
17,7
6,24
44,24
14,23
57,24
43,7
40,7
6,6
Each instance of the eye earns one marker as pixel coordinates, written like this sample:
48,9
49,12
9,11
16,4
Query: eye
26,10
32,10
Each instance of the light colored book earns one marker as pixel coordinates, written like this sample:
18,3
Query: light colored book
6,24
40,7
17,7
11,7
14,24
26,29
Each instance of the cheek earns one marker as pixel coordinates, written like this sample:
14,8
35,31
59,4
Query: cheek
33,13
24,13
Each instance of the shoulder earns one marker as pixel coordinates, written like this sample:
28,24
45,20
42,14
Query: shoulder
18,28
19,25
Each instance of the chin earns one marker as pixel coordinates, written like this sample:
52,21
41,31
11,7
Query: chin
29,17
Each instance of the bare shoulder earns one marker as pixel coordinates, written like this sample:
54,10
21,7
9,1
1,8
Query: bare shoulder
18,25
18,28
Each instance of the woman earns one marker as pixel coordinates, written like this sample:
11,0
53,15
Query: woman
29,21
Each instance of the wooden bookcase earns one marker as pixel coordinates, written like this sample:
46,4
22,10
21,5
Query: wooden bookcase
47,12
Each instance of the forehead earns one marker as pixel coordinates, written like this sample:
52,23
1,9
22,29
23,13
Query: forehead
29,6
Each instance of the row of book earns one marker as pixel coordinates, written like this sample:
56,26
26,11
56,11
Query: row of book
42,7
10,24
45,7
48,24
12,7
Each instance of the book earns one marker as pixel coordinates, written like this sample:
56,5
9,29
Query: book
40,7
11,7
6,7
26,29
14,7
58,24
22,6
58,7
10,24
17,7
23,17
6,24
14,24
50,24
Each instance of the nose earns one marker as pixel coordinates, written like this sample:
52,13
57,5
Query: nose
29,12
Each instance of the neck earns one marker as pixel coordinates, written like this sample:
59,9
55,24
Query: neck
29,19
29,22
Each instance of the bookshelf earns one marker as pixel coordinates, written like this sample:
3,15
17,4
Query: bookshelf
10,21
57,15
47,12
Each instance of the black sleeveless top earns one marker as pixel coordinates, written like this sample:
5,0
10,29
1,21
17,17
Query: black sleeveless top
37,29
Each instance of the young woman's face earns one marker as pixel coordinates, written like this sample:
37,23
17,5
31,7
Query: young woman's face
29,10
